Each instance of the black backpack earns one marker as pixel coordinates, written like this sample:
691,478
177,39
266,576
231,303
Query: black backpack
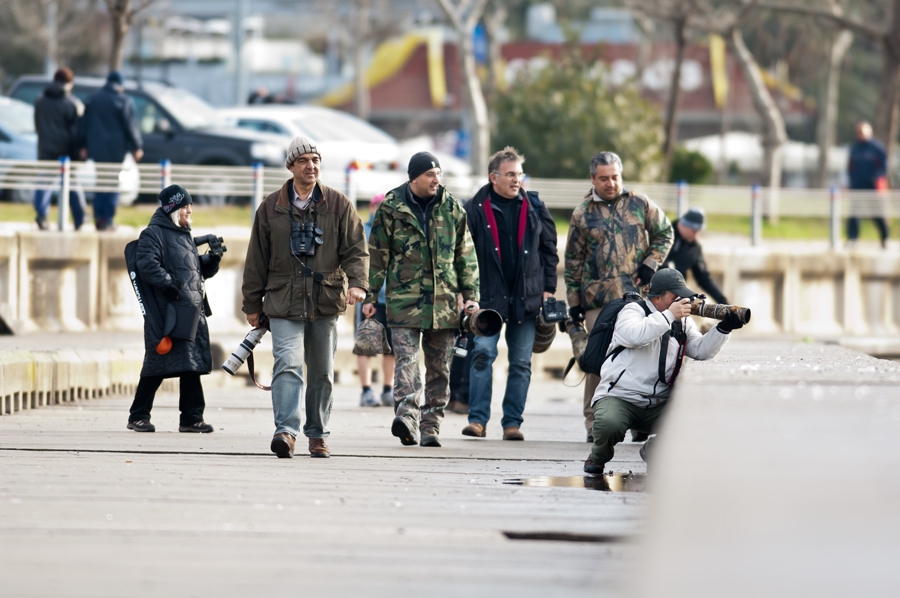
602,333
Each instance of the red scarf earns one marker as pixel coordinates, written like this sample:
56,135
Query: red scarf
492,222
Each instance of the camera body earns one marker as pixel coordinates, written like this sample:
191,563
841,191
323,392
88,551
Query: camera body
554,311
305,237
237,358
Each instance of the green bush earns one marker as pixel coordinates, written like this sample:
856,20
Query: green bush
690,166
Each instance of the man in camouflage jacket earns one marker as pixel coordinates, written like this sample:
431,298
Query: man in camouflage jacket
421,250
617,241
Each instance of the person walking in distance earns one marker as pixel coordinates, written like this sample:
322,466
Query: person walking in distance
515,241
306,262
421,251
617,240
867,171
109,131
56,116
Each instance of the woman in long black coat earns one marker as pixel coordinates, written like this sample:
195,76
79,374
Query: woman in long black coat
170,267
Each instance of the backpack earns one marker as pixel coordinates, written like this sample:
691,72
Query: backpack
595,353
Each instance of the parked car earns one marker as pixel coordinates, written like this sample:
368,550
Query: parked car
178,126
18,141
346,142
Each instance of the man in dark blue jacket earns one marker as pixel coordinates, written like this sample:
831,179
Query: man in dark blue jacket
867,170
109,131
515,241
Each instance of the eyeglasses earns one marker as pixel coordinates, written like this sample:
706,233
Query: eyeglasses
512,175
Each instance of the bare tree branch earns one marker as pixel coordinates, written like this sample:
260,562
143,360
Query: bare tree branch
833,14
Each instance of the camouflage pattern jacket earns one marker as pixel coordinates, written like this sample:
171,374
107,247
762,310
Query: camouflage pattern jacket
422,275
607,242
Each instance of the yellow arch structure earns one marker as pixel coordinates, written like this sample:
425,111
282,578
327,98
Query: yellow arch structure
390,57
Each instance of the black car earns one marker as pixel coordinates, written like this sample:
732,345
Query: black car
176,125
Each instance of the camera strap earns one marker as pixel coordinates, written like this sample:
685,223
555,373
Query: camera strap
664,352
306,270
253,374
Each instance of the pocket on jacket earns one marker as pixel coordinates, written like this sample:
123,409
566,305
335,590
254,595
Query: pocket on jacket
331,295
277,301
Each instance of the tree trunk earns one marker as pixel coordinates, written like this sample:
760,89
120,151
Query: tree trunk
494,17
884,126
828,103
120,15
680,25
477,107
362,105
774,134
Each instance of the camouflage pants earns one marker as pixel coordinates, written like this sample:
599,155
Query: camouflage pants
437,346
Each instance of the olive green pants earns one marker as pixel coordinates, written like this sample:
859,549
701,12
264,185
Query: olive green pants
612,418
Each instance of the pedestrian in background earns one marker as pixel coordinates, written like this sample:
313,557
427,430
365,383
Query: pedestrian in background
515,241
363,367
306,262
617,241
109,131
168,262
421,251
687,253
56,116
867,170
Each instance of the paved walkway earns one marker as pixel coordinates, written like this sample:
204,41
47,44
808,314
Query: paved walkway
777,476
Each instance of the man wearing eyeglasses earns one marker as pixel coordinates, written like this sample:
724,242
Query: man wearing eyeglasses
515,241
617,241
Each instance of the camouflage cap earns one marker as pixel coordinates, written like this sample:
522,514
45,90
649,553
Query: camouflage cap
370,338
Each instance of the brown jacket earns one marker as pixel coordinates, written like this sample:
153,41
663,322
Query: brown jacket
274,281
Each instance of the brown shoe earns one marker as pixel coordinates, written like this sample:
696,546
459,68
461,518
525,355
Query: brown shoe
283,445
476,430
318,448
458,407
512,433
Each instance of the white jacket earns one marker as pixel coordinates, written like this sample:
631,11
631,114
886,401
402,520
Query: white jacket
633,374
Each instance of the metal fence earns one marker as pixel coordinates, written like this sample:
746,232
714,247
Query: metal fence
218,185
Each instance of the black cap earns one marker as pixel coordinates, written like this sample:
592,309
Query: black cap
669,279
693,218
421,162
174,197
116,78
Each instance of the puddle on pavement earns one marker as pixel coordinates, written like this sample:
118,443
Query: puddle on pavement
616,482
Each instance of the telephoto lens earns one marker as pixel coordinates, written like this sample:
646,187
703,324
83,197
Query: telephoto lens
234,363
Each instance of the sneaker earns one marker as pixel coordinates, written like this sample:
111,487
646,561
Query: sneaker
387,398
367,399
430,438
200,427
142,425
283,445
593,468
512,433
318,448
476,430
41,223
406,432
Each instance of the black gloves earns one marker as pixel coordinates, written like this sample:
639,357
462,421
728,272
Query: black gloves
576,312
731,322
173,291
209,264
645,273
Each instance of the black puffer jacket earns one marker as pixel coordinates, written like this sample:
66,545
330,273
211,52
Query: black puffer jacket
167,254
109,129
56,115
536,264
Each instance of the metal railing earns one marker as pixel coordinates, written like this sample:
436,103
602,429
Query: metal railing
218,185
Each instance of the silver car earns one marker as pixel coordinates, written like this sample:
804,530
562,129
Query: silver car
18,141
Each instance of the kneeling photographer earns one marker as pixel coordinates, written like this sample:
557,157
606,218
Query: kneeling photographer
168,274
307,246
650,339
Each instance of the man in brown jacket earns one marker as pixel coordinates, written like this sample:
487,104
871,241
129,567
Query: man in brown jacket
307,246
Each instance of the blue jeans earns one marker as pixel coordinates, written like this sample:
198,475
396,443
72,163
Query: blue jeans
105,208
293,344
519,342
76,203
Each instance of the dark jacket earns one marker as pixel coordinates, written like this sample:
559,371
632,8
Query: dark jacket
109,129
56,114
273,278
167,254
537,261
867,163
686,256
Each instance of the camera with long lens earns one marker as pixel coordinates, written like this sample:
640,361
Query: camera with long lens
216,247
481,322
236,360
304,238
699,307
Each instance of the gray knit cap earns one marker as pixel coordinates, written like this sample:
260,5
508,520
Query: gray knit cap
300,145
